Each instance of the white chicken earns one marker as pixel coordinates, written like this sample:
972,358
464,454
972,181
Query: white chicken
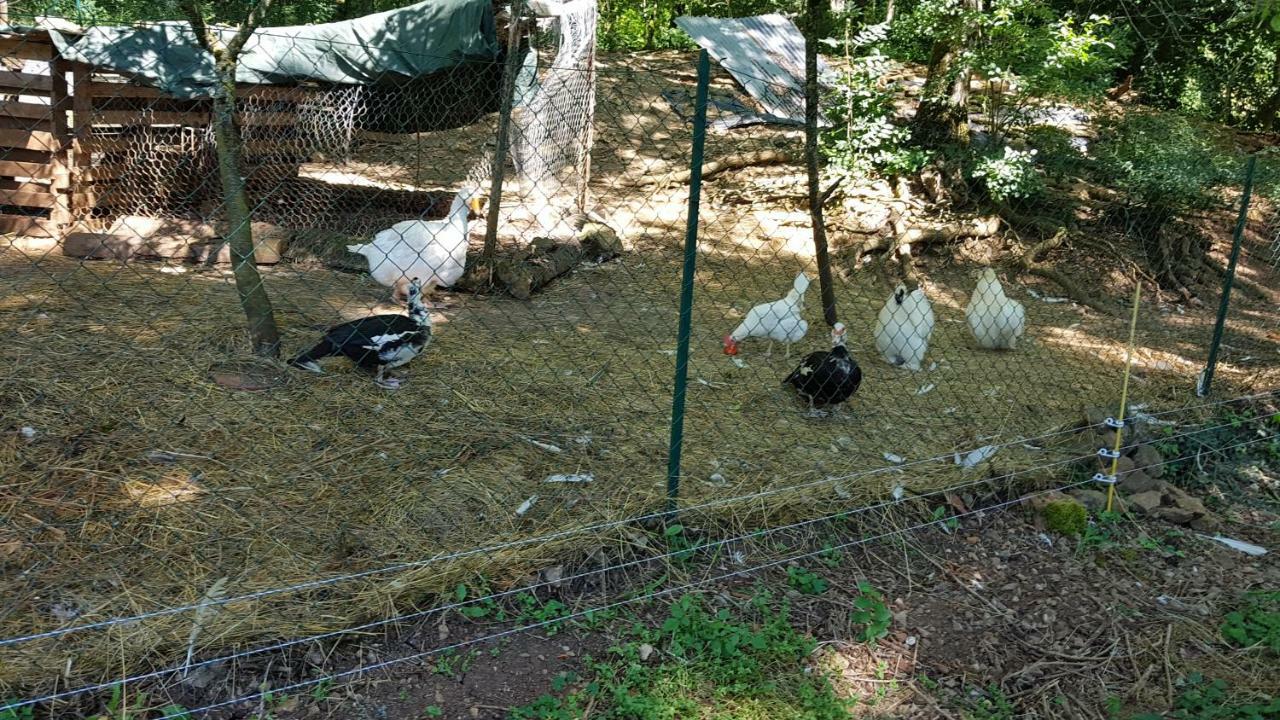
996,320
434,251
904,326
779,320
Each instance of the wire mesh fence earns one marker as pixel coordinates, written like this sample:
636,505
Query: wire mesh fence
170,495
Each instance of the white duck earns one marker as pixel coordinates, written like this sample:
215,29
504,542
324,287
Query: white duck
778,320
904,326
433,250
996,320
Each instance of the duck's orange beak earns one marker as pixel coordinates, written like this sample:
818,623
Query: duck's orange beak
476,204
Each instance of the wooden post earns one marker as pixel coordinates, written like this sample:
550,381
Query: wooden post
588,132
504,129
60,158
80,185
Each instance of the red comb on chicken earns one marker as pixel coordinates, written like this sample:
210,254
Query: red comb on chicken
730,345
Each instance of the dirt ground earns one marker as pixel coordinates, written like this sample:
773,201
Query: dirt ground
137,484
993,617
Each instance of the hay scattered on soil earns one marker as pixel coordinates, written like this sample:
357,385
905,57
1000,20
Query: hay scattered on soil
146,484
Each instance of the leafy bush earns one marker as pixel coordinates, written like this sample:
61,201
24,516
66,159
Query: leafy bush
863,139
1009,176
1163,165
871,611
1056,151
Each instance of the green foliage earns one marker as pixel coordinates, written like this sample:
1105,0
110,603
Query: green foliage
1163,165
1201,698
1066,517
1055,151
863,140
806,581
715,665
1008,176
679,544
871,611
1104,534
1257,622
25,712
992,705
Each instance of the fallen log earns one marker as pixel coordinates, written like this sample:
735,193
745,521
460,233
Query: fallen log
929,234
544,260
737,161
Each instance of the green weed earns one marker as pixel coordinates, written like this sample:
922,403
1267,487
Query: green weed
871,611
1256,623
806,581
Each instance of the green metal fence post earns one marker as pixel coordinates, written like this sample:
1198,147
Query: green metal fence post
686,283
1206,378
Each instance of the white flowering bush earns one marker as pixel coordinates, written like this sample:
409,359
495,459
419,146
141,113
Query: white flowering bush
1009,176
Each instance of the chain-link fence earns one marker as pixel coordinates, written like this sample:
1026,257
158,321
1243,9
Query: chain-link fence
167,494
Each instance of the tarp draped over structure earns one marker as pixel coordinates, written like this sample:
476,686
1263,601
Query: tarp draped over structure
410,42
765,54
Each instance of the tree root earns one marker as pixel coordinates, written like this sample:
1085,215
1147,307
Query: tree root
1030,262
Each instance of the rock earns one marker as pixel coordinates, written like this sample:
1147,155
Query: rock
1124,465
866,217
1174,515
1206,524
1094,416
1147,502
1093,500
1149,460
645,651
599,241
1137,481
1179,498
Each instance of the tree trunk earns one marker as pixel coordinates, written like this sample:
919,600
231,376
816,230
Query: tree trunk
943,115
1269,115
890,11
813,26
253,294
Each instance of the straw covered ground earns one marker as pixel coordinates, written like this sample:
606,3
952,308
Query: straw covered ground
133,483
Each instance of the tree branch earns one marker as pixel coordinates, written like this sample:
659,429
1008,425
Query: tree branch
251,22
207,38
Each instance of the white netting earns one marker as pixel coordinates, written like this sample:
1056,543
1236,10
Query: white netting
550,135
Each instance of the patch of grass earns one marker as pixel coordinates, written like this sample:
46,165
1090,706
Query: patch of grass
321,691
1256,623
991,705
704,662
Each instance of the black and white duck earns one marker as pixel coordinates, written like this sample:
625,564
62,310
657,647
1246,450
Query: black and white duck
827,377
378,343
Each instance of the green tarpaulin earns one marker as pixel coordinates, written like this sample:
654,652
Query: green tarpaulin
391,46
